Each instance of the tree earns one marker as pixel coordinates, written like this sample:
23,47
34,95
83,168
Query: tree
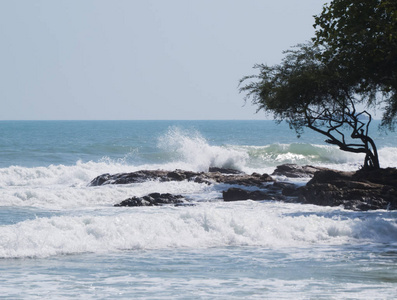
352,60
306,93
360,39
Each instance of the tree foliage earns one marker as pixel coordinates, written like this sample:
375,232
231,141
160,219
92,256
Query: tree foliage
306,93
359,38
352,60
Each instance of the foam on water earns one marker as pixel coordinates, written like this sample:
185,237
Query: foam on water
75,197
80,173
388,157
204,226
191,148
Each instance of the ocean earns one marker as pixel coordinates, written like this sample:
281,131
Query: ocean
61,238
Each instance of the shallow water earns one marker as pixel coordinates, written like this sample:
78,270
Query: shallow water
220,273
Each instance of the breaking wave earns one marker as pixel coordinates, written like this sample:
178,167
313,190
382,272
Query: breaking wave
204,226
193,149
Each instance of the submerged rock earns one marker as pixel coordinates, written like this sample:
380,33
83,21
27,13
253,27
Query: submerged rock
280,191
153,199
237,194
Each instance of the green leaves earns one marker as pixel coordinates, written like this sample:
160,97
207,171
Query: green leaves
359,38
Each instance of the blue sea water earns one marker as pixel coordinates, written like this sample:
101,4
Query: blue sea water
61,238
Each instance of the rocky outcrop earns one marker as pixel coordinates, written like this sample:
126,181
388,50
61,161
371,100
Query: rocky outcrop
225,177
154,199
361,190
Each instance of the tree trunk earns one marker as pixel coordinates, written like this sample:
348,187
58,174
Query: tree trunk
371,161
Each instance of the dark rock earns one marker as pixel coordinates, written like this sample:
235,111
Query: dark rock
153,199
361,190
100,180
386,176
246,180
142,176
177,176
287,189
180,175
296,171
224,170
237,194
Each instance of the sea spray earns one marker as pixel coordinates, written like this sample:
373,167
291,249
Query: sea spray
192,148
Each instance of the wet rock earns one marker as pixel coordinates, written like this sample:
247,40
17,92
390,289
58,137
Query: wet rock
296,171
287,189
142,176
254,179
179,175
100,180
237,194
154,199
224,170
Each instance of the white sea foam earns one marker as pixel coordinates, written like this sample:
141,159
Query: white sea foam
80,173
204,226
191,148
388,157
72,197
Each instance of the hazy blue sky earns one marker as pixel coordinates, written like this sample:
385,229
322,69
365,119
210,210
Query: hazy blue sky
148,59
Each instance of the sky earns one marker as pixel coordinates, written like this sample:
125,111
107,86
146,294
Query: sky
141,60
